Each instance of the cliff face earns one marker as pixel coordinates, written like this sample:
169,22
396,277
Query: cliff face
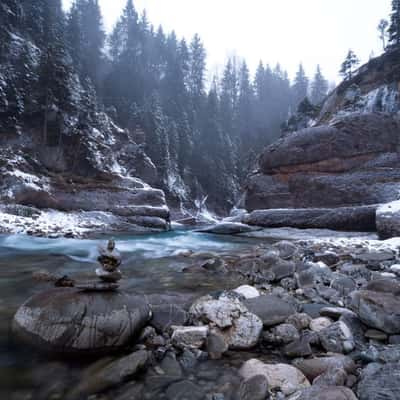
85,163
349,158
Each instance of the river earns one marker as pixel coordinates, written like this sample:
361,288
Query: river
151,264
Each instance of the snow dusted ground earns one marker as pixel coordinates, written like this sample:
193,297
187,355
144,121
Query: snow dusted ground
53,223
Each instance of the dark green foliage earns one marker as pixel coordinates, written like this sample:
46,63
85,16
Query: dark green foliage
348,65
394,28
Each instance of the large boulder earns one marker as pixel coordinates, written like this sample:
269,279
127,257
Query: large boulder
377,310
388,220
381,383
344,218
70,321
325,393
240,328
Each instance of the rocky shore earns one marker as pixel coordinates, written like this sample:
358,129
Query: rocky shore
310,319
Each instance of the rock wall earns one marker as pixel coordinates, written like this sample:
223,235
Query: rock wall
349,159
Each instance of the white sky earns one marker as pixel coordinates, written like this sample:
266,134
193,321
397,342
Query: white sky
288,31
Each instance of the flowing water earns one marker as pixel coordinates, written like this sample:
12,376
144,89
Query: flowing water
151,264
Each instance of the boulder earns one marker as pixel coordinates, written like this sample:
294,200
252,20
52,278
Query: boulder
228,228
377,310
325,393
192,337
380,383
283,377
247,291
67,320
344,218
337,338
388,220
314,367
240,327
271,309
164,316
254,388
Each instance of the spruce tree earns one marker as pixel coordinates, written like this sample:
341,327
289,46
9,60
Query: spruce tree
197,70
319,87
300,86
382,29
348,65
394,28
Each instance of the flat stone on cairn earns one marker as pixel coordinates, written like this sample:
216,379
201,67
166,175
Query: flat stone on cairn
110,260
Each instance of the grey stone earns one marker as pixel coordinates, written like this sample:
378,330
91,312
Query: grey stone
164,316
254,388
68,320
271,309
184,390
337,338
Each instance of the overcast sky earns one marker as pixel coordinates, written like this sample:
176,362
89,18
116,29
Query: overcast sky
285,31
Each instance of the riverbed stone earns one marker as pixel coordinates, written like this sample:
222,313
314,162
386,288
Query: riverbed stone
247,291
381,382
325,393
254,388
283,377
192,337
316,366
320,323
240,327
67,320
166,315
337,338
377,310
271,309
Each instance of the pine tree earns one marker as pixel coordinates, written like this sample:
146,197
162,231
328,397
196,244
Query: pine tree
382,29
54,71
197,69
394,29
300,86
348,65
319,87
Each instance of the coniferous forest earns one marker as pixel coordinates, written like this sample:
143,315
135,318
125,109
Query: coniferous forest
67,77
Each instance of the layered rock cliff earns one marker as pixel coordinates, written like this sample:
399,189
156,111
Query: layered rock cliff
348,159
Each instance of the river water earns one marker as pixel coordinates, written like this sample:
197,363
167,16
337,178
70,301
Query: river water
151,264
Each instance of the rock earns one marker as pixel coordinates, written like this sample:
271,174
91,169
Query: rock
314,367
318,324
335,312
109,277
328,258
109,257
229,228
332,377
283,377
112,374
240,327
286,249
388,220
97,286
68,320
254,388
216,265
192,337
384,285
377,310
381,383
299,348
337,338
164,316
345,218
326,393
184,390
300,321
285,333
248,292
376,335
336,164
271,309
216,345
131,391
